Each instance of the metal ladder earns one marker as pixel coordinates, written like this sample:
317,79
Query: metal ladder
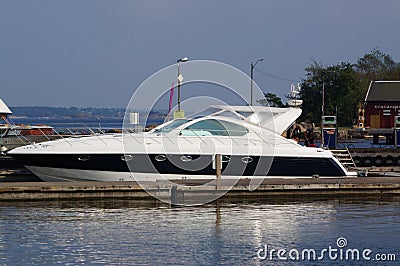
344,157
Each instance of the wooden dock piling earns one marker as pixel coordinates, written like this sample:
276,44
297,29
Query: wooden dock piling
218,172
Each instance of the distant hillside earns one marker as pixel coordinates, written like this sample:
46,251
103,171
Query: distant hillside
72,112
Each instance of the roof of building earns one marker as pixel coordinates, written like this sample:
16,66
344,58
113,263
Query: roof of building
4,109
383,91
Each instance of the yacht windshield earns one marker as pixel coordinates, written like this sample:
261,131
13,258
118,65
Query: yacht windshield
171,126
214,127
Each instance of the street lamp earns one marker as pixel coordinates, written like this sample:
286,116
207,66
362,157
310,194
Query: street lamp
253,65
180,79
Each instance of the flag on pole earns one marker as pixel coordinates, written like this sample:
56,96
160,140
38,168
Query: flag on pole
171,97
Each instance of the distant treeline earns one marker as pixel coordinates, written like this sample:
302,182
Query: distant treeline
73,112
76,112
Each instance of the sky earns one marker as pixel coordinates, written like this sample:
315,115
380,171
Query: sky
96,52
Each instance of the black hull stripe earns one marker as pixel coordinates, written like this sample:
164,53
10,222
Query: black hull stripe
199,165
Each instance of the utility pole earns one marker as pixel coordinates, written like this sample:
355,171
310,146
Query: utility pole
323,96
252,66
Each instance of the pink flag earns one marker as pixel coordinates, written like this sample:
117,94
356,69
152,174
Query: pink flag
171,97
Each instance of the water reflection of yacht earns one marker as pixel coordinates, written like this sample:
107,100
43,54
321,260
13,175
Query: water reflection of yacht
248,138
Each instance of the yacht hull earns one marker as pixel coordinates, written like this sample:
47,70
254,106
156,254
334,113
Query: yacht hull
48,174
143,167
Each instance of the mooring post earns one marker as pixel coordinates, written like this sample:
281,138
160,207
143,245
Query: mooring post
218,165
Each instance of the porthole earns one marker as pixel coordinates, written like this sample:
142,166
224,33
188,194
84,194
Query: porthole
160,158
186,158
126,157
84,158
226,158
247,159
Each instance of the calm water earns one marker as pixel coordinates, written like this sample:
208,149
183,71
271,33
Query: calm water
128,232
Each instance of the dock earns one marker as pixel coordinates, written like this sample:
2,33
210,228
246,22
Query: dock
183,191
17,183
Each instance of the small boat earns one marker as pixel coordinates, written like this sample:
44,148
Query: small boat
293,96
294,102
12,135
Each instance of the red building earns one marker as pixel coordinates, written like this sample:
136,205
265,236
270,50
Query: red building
382,104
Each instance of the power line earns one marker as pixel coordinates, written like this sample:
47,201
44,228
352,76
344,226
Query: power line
276,77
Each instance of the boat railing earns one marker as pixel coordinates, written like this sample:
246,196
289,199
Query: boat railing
78,130
45,135
81,129
65,139
64,133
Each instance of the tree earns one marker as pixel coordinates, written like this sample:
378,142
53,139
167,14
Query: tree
341,92
345,85
376,65
271,100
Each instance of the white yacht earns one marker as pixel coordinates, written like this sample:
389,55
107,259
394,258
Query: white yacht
247,138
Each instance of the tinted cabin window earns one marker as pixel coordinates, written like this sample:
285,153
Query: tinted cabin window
216,128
